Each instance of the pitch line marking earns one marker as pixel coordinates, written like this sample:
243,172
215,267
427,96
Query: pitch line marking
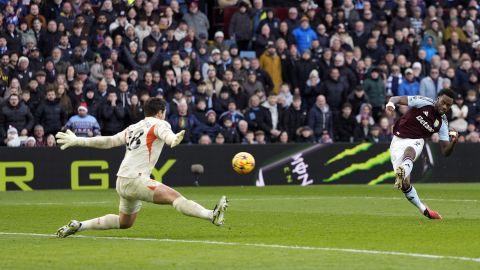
256,199
207,242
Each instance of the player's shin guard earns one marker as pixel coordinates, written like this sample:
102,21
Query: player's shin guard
191,208
106,222
411,195
407,166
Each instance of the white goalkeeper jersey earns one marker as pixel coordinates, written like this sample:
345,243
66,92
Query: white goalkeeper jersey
144,142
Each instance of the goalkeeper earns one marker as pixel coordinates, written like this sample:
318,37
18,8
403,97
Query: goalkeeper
144,142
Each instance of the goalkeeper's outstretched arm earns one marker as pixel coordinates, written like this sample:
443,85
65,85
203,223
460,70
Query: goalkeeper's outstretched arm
69,139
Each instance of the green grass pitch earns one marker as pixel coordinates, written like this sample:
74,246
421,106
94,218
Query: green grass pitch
316,227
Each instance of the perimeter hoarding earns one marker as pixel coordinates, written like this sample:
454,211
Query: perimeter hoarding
277,164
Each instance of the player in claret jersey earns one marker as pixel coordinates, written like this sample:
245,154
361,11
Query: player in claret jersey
425,117
144,142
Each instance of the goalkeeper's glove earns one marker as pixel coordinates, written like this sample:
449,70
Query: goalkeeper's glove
178,138
67,139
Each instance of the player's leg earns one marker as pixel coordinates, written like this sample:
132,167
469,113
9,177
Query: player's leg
164,194
403,171
128,210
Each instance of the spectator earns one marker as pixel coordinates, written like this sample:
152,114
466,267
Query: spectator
431,85
459,113
182,120
232,113
271,63
112,115
275,112
204,140
362,131
376,136
51,142
50,114
375,89
365,111
196,19
83,124
293,118
344,124
229,132
335,88
260,137
394,81
17,115
219,138
325,138
258,117
305,135
304,35
134,111
283,137
39,136
29,142
409,87
313,88
12,139
320,117
471,101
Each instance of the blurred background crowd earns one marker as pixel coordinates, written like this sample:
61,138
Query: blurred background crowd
233,71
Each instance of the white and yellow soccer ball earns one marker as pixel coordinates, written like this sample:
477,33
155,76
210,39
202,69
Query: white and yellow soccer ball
243,163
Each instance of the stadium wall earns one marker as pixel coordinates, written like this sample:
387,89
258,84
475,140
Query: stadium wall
294,164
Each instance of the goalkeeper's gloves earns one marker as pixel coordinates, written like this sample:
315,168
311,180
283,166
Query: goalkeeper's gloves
67,139
178,138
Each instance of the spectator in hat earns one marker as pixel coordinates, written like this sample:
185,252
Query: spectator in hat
50,114
211,127
23,72
459,113
304,35
252,84
305,135
271,63
12,139
196,19
238,29
313,88
15,113
36,61
83,124
409,86
13,38
219,42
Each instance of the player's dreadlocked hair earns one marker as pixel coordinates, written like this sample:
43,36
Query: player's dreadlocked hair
447,92
153,106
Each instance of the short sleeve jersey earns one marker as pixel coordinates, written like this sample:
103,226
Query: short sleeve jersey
144,147
421,120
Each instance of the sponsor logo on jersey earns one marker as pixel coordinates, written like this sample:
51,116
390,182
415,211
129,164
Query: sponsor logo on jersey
436,123
424,123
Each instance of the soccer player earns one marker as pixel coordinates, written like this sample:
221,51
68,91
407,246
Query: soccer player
424,118
144,142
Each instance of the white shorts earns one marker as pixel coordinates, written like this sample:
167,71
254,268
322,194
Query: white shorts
398,146
133,191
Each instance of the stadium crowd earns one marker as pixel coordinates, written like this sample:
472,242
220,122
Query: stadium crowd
321,74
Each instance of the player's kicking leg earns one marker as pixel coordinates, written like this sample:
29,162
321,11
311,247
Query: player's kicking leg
402,182
166,195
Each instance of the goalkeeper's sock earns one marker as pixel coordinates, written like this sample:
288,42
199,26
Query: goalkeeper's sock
106,222
191,208
407,166
411,195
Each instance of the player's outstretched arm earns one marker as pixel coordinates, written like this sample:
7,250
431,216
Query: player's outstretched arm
69,139
447,147
390,107
164,132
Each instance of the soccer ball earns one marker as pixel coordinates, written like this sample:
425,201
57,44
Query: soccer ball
243,163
